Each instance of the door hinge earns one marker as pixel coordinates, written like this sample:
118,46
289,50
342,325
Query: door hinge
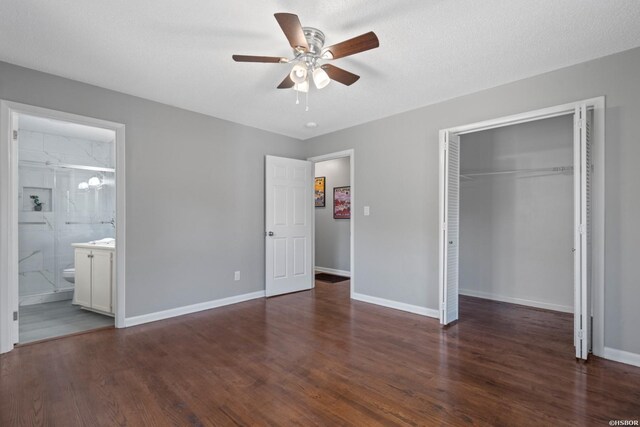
15,316
15,135
581,229
444,225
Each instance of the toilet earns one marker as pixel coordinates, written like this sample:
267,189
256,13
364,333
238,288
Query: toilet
69,274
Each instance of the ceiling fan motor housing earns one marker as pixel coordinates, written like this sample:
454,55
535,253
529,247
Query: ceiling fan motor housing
315,40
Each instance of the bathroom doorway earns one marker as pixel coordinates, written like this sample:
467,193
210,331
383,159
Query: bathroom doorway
63,225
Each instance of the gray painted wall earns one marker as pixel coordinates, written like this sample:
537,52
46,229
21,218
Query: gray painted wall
516,231
396,247
195,191
180,201
332,235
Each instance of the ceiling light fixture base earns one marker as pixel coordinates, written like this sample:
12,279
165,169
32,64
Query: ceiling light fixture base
315,40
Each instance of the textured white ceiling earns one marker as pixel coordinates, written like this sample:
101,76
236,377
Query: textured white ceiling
179,52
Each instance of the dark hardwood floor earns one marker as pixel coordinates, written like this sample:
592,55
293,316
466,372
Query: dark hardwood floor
316,358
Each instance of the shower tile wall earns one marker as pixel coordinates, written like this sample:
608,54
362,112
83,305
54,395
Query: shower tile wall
45,238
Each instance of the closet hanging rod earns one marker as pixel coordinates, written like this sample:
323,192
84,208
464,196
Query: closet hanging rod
559,169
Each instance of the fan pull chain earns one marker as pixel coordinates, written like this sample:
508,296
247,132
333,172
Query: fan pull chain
307,100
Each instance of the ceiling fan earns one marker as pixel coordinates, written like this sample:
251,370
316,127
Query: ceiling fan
310,55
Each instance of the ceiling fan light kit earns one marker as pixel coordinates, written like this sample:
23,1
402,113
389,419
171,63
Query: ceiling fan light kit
302,87
298,73
320,78
310,56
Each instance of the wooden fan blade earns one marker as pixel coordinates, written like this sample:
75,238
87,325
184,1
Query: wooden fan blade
352,46
292,28
252,58
287,83
340,75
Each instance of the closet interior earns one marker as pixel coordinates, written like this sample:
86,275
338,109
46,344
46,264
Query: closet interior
517,214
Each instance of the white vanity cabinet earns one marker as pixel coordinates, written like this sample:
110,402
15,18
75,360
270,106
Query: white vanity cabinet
94,278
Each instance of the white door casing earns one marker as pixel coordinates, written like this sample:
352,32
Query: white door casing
9,294
583,164
352,222
14,268
449,226
288,221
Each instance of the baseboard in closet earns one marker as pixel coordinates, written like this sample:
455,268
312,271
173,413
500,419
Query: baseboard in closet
520,301
622,356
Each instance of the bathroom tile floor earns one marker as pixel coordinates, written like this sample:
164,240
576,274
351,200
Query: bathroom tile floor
54,319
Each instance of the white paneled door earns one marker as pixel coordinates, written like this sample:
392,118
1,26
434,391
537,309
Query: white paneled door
288,220
449,226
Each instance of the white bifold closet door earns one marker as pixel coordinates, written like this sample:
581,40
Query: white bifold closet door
449,226
583,173
450,222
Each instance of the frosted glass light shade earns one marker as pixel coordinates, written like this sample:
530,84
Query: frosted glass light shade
302,87
83,186
298,73
320,78
94,181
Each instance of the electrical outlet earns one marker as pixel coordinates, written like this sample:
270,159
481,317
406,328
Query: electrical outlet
236,275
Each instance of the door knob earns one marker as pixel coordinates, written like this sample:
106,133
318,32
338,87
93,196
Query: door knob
270,234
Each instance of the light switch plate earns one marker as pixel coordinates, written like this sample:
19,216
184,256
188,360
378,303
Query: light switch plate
366,211
236,275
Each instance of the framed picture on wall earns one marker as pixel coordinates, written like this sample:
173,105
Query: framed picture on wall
342,202
319,192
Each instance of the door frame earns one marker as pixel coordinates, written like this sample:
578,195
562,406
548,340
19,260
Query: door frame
598,106
9,212
350,153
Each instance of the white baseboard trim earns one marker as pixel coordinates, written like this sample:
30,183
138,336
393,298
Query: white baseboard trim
423,311
333,271
520,301
622,356
179,311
